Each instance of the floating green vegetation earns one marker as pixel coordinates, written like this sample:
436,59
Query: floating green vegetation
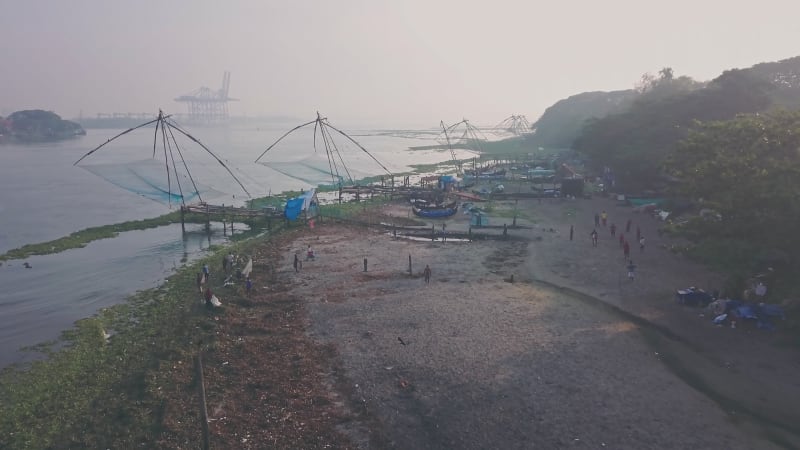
81,238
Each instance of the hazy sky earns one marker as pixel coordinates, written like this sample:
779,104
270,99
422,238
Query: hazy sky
377,62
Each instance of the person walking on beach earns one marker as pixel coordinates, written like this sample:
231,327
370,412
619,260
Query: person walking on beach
613,229
427,273
604,217
631,270
596,220
594,238
628,226
309,253
626,249
571,232
641,244
296,263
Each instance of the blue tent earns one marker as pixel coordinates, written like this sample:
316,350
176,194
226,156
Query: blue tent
306,203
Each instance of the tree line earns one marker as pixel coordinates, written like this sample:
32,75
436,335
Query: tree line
730,145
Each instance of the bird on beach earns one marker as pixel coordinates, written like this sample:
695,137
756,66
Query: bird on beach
401,340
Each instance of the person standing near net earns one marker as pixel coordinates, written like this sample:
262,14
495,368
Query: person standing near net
427,273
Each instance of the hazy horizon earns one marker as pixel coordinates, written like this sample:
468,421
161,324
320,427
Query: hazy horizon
401,64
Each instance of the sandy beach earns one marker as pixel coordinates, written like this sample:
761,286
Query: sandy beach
571,354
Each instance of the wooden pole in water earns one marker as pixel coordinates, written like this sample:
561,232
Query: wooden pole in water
183,222
224,227
409,265
208,219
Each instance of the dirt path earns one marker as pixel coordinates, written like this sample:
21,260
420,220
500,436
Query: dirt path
751,370
332,356
473,361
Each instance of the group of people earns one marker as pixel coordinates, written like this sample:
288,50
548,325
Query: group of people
203,277
601,219
298,263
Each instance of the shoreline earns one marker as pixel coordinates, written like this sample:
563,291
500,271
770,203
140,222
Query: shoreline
275,280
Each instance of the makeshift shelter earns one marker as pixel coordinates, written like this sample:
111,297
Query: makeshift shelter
572,186
304,207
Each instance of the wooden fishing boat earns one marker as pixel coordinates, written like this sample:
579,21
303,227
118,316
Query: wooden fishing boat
436,212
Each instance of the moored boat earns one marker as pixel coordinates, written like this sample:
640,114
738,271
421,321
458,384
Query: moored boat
435,212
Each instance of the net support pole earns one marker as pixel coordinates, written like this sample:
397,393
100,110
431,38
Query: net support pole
183,221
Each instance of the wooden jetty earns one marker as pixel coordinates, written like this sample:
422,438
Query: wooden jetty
231,213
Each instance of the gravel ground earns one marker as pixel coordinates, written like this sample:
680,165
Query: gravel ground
472,360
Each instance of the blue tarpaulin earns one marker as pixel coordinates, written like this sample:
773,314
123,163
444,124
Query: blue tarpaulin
307,202
294,206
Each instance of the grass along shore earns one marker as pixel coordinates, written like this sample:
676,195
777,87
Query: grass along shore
106,383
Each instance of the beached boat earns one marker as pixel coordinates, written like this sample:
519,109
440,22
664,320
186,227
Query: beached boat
435,212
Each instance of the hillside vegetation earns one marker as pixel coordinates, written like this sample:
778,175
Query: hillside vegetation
727,146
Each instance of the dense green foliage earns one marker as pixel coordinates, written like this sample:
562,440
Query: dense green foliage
636,142
747,170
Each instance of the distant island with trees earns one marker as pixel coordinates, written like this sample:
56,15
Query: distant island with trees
36,125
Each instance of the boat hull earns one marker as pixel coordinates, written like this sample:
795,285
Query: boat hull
434,213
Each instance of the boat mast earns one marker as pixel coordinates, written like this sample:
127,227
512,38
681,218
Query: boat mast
456,162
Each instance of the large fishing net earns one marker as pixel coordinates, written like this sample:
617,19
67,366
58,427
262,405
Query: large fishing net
148,178
318,153
181,169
